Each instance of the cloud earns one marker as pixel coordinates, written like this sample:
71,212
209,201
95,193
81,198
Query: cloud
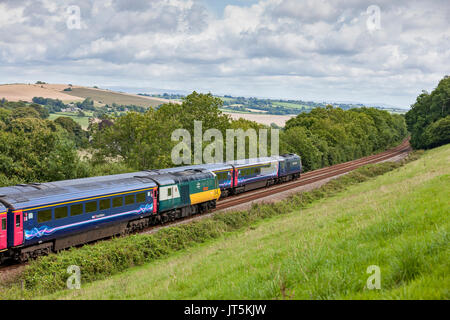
316,50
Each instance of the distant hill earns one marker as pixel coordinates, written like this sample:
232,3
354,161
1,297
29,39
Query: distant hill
26,92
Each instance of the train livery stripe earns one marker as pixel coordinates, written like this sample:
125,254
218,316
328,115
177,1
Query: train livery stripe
86,199
205,196
220,171
45,231
1,213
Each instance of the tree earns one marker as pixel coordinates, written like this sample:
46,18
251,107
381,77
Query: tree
428,109
74,130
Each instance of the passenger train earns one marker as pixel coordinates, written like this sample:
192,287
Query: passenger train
40,218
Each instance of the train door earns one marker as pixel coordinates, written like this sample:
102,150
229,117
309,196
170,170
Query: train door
282,168
236,176
155,201
3,231
18,227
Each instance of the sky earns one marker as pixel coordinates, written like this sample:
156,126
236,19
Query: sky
376,51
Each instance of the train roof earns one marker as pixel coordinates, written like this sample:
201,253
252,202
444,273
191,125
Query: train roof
35,194
252,161
2,208
290,156
162,177
207,166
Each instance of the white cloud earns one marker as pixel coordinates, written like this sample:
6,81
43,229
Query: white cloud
319,50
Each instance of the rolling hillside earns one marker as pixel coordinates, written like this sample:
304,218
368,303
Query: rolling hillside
110,97
26,92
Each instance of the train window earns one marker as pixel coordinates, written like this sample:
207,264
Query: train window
105,204
140,197
169,192
61,212
17,221
44,216
76,209
117,202
91,206
129,199
4,224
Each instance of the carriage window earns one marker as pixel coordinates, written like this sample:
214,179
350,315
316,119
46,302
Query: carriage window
4,224
76,209
140,197
129,199
61,212
91,206
44,216
118,202
169,192
105,204
17,221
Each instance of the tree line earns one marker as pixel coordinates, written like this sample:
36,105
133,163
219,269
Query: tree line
429,117
35,149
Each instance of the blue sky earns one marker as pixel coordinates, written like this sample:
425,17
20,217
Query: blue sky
322,50
218,6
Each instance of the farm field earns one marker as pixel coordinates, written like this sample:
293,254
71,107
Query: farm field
279,120
26,92
82,121
398,221
291,105
110,97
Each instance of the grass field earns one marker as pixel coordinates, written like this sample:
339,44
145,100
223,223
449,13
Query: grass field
291,105
110,97
398,221
82,121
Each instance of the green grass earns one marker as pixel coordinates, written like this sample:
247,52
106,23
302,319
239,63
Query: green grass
298,249
291,105
82,121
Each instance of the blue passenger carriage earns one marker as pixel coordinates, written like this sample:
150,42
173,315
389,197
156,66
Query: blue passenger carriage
53,216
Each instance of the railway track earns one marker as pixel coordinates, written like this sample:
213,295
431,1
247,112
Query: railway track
313,176
305,179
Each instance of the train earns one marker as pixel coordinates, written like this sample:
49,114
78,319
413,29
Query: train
41,218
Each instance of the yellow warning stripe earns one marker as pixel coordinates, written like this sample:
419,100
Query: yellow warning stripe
205,196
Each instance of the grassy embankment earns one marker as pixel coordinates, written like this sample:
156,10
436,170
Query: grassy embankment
294,250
